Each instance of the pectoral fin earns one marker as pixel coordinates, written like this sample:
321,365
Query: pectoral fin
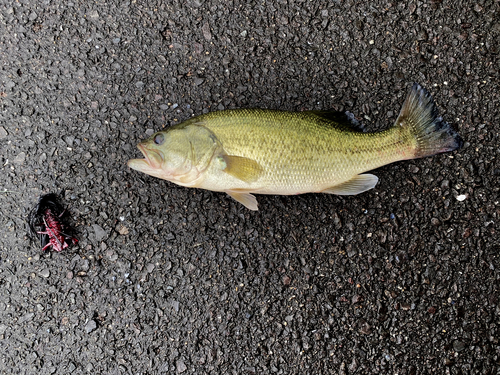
242,168
246,199
356,185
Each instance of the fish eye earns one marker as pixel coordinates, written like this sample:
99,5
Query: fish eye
159,139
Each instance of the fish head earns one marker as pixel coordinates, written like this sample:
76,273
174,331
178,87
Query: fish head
179,154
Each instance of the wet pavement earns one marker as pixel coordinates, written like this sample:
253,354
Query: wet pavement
403,279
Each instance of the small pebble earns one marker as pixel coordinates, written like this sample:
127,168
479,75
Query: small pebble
19,159
357,298
45,273
111,255
3,132
435,221
181,367
100,233
286,280
365,329
122,229
90,326
458,345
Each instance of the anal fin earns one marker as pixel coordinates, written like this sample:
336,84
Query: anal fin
246,199
356,185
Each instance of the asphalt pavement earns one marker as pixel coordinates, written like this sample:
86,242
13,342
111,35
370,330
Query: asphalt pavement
402,279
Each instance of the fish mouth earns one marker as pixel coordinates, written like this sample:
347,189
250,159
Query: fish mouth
152,160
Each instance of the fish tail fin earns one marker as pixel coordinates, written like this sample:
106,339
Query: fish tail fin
430,134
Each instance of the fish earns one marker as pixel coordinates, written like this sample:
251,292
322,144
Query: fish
243,152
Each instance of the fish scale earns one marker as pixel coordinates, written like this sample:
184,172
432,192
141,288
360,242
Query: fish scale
296,151
290,148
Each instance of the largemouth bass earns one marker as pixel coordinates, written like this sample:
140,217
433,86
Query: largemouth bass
256,151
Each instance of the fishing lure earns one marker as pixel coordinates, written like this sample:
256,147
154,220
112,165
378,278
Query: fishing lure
45,222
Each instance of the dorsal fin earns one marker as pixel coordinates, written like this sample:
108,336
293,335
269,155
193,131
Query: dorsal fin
344,120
